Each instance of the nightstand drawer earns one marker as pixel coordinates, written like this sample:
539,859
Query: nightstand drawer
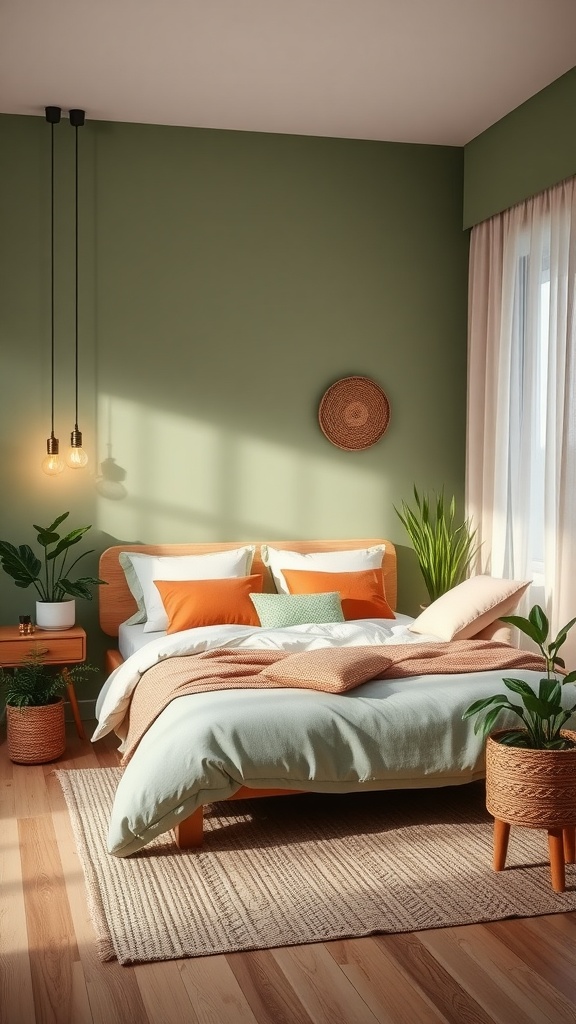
53,649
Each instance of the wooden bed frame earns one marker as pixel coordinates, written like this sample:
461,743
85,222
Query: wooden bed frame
116,604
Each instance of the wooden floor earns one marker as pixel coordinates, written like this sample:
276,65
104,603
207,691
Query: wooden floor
510,972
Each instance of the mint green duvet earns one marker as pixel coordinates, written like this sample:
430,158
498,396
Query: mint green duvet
385,734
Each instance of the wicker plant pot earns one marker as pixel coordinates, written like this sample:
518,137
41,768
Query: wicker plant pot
36,734
534,788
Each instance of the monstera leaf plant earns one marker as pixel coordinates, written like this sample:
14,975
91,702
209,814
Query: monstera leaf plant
51,574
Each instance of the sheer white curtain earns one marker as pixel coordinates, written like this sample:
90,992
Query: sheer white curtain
521,437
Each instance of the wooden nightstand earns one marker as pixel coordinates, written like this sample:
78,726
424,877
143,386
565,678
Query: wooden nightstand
58,647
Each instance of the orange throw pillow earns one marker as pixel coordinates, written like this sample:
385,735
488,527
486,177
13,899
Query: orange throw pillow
190,603
361,593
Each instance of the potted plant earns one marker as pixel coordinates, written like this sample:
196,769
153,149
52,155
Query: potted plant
50,576
35,708
531,768
444,550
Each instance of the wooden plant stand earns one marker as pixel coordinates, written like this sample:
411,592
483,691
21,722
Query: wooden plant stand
533,789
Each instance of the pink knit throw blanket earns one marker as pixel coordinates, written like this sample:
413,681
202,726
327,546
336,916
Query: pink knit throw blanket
240,669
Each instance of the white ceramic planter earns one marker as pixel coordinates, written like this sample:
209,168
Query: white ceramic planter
55,614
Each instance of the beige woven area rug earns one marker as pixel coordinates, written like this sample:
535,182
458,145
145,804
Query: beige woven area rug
291,870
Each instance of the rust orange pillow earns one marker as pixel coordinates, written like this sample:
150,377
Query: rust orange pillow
190,603
362,593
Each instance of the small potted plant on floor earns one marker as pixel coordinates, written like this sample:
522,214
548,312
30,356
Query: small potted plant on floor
35,708
444,549
51,576
531,768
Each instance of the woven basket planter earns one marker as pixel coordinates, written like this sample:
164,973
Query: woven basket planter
36,734
534,788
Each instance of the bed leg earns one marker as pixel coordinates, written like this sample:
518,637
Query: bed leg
112,660
189,832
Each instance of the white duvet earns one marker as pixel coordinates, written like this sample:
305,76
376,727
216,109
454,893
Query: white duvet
385,734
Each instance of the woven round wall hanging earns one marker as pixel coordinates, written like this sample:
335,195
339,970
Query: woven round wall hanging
354,413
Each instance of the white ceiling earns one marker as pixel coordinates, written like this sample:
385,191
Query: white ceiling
428,71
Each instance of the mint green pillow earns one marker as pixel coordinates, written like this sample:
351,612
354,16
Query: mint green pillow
276,610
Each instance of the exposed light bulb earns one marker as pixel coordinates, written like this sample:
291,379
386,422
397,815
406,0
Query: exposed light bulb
53,463
76,457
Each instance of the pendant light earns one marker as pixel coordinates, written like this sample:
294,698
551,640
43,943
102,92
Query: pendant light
76,457
53,463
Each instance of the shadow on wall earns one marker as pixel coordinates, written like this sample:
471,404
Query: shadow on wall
110,481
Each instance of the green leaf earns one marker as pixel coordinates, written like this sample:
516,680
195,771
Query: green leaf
516,620
484,726
538,619
563,633
524,625
479,705
550,689
539,708
558,743
57,522
45,538
20,563
68,541
76,588
519,686
570,677
515,738
81,587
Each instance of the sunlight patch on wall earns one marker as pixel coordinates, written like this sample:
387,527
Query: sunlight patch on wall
167,477
297,494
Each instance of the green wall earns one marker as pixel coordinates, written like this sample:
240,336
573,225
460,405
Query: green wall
227,279
529,150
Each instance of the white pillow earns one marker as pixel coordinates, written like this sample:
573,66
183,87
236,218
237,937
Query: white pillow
354,560
147,568
466,610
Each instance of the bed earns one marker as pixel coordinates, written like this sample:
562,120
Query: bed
231,743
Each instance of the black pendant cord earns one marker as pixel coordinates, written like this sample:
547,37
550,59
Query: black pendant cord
76,120
52,117
76,278
52,248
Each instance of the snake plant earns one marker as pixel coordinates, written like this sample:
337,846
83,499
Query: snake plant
444,549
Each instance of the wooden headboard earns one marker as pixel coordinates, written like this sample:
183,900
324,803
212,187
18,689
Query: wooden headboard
116,602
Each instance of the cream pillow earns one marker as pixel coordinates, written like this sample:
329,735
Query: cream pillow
497,630
147,568
467,609
354,560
